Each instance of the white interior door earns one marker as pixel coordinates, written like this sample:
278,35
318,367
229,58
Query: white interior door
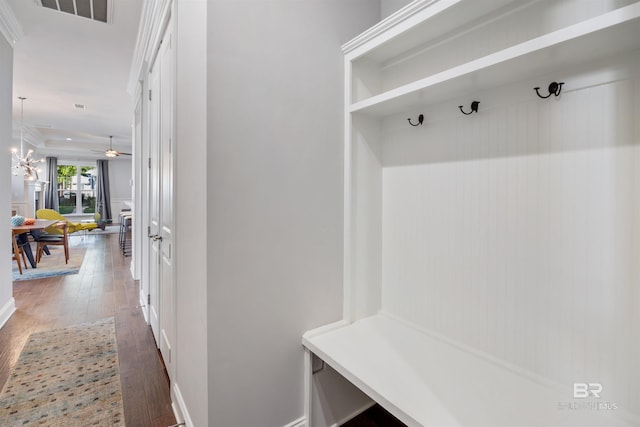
161,275
167,280
154,202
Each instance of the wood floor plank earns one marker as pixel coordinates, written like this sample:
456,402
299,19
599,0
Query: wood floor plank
103,288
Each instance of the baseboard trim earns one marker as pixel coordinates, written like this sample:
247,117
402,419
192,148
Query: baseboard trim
7,311
180,408
143,306
301,422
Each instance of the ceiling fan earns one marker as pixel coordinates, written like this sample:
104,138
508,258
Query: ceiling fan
110,152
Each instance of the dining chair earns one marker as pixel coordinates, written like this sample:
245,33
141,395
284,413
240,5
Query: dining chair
22,240
17,252
46,239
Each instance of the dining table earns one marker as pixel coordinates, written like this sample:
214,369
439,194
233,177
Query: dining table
40,224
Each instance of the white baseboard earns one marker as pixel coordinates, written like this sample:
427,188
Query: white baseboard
7,311
301,422
143,307
180,408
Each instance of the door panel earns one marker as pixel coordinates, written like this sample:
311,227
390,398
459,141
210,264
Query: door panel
154,202
167,289
161,129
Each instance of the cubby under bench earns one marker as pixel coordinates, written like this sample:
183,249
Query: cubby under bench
426,380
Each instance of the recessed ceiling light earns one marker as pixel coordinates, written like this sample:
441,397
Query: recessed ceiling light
80,106
69,139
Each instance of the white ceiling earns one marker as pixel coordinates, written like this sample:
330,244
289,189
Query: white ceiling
62,60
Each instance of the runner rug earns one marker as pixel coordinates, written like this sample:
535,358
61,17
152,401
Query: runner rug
66,377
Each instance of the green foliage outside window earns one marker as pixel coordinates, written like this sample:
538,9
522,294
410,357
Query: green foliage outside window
88,204
71,187
65,175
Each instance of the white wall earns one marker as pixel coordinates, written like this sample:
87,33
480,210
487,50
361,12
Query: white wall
120,182
274,196
191,241
18,193
6,95
388,7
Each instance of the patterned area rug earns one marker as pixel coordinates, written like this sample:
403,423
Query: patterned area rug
51,265
66,377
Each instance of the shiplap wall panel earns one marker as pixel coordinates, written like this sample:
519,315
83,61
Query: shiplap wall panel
517,233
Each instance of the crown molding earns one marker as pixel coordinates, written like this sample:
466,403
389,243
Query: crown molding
31,135
155,14
9,25
393,20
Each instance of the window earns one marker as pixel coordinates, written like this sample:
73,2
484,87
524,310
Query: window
76,189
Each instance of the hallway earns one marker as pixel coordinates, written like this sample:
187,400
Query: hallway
103,288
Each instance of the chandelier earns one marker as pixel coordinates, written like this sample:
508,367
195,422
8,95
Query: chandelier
26,165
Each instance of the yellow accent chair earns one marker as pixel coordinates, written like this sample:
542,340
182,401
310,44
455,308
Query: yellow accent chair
72,227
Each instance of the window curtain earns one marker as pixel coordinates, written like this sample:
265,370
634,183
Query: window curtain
51,192
103,196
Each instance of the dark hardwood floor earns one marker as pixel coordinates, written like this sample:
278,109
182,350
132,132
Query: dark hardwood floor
103,288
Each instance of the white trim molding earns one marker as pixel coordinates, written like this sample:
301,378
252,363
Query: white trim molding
406,12
300,422
144,306
180,408
154,16
9,25
31,135
7,311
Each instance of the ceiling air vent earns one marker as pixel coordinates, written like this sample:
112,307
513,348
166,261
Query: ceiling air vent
98,10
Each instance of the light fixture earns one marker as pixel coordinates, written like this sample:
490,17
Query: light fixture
111,152
26,165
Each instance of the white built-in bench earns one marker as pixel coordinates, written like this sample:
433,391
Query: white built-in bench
424,380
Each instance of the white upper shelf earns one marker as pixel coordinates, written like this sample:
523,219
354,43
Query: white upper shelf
417,22
613,32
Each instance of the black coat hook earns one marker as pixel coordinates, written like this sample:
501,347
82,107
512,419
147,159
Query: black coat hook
554,89
474,108
420,120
